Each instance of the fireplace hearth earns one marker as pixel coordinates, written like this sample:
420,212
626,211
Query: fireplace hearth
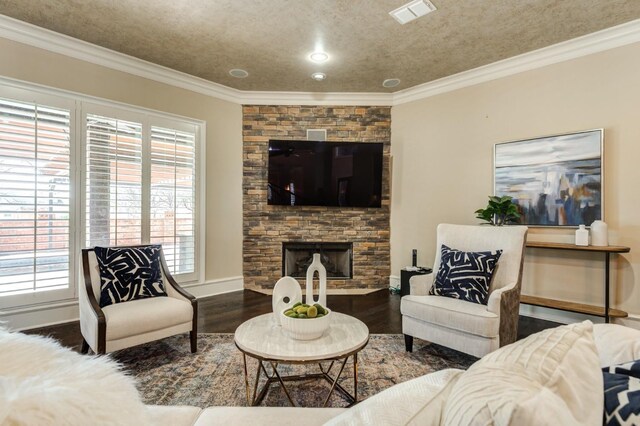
337,258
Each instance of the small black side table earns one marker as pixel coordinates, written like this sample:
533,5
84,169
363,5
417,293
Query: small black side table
406,275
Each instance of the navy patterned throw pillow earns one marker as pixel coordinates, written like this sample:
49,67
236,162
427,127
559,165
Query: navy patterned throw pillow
129,273
622,394
465,275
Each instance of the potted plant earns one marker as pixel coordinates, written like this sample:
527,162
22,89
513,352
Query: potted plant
499,211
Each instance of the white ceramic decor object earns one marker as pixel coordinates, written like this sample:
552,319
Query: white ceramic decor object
582,236
287,288
316,266
599,233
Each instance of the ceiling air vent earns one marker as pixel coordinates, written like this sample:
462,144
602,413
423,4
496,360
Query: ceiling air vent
412,10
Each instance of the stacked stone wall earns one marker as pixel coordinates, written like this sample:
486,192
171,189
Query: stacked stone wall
266,227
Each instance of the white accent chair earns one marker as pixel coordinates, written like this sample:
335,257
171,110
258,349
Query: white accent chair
135,322
469,327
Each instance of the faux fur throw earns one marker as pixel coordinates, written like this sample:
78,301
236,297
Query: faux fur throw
43,383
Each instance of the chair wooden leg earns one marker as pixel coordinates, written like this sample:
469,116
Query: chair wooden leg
408,343
85,347
194,341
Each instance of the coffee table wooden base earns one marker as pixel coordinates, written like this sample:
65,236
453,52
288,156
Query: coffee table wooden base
256,397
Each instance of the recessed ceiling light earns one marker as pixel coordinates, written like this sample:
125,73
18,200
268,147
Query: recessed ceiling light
238,73
319,57
318,76
391,82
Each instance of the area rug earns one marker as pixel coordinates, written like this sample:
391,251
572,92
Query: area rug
169,374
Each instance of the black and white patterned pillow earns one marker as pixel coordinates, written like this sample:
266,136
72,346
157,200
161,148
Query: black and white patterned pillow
129,273
465,275
622,394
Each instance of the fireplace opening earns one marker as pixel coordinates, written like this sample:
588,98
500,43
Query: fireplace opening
337,258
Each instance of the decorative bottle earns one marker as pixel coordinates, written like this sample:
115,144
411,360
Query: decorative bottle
316,265
582,236
599,233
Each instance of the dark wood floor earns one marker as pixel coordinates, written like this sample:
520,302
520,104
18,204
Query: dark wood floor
225,312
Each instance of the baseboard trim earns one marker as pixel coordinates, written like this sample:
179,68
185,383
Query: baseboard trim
61,312
331,291
632,321
565,317
41,316
215,287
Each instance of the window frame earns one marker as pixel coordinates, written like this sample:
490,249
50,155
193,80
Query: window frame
148,119
78,105
199,176
46,296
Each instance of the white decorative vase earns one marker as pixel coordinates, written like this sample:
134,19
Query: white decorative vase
582,236
599,233
286,293
316,266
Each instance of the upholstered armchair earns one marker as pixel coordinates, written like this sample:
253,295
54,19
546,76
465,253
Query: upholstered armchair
122,325
469,327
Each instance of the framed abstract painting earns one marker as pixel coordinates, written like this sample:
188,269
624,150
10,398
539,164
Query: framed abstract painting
554,180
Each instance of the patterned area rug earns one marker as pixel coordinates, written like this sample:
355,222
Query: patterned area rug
169,374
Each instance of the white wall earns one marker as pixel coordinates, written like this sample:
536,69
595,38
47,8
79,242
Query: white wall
442,150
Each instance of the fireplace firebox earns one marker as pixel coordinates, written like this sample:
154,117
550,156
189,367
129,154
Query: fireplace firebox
337,258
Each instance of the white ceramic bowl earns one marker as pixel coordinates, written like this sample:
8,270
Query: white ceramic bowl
305,328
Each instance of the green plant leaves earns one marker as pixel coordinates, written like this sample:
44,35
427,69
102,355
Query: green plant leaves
499,211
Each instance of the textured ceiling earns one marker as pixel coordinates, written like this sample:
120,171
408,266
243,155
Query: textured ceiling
272,38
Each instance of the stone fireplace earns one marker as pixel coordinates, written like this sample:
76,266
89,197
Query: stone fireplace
268,229
335,257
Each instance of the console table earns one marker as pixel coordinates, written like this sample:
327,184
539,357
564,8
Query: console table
606,312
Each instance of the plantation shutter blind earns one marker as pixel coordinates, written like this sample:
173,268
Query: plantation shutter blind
113,182
173,196
35,171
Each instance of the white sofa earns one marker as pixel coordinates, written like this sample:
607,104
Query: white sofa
90,390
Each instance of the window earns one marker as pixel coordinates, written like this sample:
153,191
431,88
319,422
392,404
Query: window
114,182
173,196
35,198
140,184
78,172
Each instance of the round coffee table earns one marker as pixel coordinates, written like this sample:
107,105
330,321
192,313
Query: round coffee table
263,339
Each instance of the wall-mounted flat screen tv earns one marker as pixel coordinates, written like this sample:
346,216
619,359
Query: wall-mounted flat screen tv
343,174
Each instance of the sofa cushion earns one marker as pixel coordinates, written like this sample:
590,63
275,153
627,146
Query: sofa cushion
253,416
415,402
42,383
129,273
145,315
465,275
616,343
555,372
622,394
452,313
173,415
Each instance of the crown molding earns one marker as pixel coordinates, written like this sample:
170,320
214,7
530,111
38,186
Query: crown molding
32,35
606,39
42,38
315,98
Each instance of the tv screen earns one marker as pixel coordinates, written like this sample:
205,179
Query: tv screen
305,173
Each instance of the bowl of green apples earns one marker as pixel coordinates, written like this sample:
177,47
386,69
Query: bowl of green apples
305,322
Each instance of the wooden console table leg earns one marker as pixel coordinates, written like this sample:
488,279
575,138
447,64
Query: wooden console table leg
607,258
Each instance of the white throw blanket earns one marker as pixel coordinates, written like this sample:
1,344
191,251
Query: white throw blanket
43,383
